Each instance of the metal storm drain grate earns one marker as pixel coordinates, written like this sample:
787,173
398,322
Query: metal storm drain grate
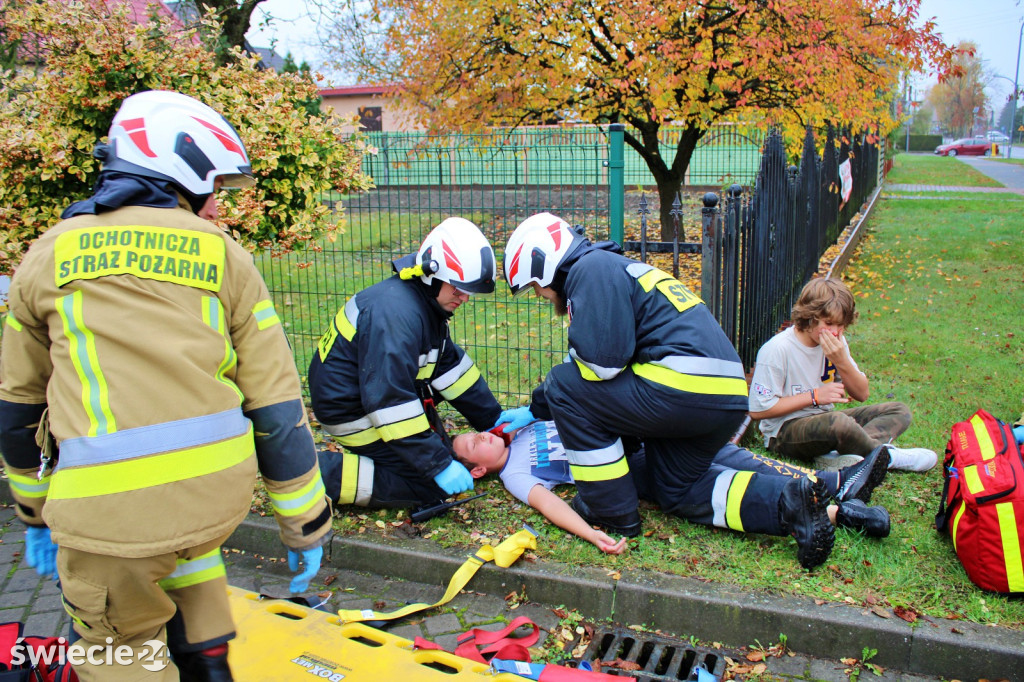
657,658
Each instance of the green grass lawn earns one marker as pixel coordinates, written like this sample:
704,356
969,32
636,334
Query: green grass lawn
922,169
937,283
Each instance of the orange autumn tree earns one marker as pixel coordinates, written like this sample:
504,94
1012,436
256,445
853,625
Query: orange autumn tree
467,64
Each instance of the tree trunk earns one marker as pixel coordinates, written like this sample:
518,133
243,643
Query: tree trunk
669,179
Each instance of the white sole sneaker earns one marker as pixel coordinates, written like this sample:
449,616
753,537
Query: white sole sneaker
833,461
912,459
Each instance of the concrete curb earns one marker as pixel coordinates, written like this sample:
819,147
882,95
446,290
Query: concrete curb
685,606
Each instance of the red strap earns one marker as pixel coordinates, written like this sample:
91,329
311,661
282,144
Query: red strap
476,644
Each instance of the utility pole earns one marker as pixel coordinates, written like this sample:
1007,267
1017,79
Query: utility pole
1013,109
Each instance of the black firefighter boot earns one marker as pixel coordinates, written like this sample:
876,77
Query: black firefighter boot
874,521
803,511
210,665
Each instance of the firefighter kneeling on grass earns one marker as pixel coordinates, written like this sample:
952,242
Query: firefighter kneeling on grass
155,394
386,358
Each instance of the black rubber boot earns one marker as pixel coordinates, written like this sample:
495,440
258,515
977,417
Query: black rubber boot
860,480
803,512
874,521
201,666
626,524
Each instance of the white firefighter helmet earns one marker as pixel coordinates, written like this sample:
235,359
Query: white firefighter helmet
535,250
457,252
170,136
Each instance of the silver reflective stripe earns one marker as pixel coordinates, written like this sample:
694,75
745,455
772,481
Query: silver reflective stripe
428,358
347,428
352,312
364,485
686,364
590,458
603,373
638,270
720,496
396,413
154,439
449,378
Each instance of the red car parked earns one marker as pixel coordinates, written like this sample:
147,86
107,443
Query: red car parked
968,146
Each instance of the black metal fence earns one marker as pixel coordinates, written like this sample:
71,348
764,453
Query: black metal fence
758,246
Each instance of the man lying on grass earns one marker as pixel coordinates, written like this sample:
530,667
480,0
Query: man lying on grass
535,462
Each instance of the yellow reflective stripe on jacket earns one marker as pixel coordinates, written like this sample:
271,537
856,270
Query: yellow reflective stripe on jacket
591,371
691,383
209,566
426,371
358,438
167,254
298,501
464,383
585,371
737,489
82,349
671,288
13,323
354,433
984,439
457,380
356,479
1011,546
600,472
404,429
28,486
145,472
265,314
344,324
213,315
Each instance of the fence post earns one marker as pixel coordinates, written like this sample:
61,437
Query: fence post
616,181
710,248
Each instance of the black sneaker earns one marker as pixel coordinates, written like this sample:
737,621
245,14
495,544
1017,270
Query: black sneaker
860,480
802,508
874,521
625,524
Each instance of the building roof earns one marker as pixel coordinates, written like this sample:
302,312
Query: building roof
356,90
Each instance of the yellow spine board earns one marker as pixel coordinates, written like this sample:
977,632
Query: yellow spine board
279,640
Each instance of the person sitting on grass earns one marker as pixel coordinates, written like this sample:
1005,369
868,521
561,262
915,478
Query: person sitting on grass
535,462
804,371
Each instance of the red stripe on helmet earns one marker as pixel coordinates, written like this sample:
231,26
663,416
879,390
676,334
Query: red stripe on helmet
224,137
513,268
555,230
451,260
136,129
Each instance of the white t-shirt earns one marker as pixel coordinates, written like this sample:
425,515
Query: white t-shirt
535,457
787,367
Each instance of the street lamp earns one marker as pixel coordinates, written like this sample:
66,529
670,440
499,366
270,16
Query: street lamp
1013,110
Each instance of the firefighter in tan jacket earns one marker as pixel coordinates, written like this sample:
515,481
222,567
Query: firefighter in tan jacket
143,355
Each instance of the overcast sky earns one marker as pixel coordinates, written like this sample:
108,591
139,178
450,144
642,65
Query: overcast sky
994,25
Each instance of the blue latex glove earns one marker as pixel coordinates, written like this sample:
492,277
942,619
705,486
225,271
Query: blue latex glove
40,552
454,479
310,558
515,419
1018,433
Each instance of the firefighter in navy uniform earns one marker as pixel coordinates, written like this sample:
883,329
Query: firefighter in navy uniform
142,353
648,360
387,352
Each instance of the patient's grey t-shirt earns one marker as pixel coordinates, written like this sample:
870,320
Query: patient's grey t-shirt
535,457
787,367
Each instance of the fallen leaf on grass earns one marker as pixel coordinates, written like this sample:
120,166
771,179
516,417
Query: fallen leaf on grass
755,656
906,614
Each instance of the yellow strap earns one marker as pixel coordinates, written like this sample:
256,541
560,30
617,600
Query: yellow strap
503,555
